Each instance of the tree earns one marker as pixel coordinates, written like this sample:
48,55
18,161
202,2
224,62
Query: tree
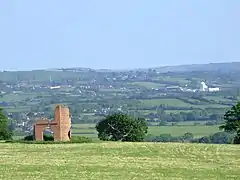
232,122
205,139
188,136
122,127
221,138
5,133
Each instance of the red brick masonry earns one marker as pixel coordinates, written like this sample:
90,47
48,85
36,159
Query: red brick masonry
61,125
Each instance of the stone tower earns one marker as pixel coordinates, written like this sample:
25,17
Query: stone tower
61,125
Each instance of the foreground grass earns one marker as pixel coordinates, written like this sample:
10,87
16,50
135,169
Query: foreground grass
119,161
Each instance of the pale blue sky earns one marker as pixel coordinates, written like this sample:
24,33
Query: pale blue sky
117,34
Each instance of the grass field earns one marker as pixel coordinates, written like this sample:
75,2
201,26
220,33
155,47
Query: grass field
119,161
17,97
148,84
87,130
198,131
170,102
177,103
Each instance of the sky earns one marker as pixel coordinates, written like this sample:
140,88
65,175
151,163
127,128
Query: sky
117,34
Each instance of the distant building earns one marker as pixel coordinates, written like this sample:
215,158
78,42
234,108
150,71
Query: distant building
203,86
55,87
215,89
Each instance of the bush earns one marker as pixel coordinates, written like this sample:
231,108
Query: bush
236,139
205,139
45,138
49,140
221,138
188,136
28,138
48,137
216,138
81,139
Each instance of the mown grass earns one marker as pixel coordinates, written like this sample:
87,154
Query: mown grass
119,161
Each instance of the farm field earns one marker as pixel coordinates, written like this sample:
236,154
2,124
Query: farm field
198,130
119,161
149,85
177,103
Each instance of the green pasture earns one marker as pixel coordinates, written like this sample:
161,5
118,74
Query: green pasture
175,80
198,130
18,109
17,97
177,103
167,101
108,161
149,84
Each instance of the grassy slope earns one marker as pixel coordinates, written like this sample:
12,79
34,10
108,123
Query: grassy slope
119,161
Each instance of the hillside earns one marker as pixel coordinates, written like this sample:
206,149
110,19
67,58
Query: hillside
224,67
119,161
167,99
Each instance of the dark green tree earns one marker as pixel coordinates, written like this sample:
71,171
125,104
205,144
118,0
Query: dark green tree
5,133
122,127
232,122
188,136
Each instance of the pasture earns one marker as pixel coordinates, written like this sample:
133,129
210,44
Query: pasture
149,85
178,103
119,161
88,130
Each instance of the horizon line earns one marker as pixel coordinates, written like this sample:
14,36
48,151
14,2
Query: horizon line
113,69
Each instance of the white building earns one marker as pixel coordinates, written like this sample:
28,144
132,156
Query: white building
215,89
55,87
203,86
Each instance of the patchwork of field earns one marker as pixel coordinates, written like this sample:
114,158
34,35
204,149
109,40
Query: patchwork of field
119,161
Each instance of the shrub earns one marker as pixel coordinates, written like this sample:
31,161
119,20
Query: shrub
221,138
29,140
81,139
205,139
45,138
48,137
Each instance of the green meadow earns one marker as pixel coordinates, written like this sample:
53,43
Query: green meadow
119,161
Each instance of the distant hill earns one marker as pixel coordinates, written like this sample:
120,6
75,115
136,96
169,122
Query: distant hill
223,67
